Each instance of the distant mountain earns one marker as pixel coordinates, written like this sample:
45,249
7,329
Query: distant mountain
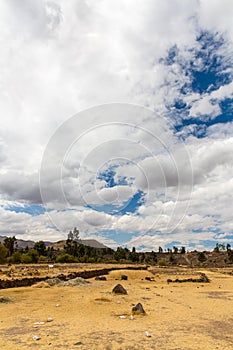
93,243
21,242
60,244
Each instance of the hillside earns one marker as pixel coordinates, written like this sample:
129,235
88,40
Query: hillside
60,244
88,242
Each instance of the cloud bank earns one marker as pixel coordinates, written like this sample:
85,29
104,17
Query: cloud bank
116,117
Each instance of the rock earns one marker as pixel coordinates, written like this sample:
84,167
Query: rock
53,281
124,277
5,300
138,309
149,278
78,343
147,334
122,316
74,282
70,283
169,280
38,323
35,337
119,289
204,278
101,278
49,319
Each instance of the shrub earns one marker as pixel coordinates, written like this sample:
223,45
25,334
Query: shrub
26,259
15,258
42,259
162,263
3,253
65,258
122,261
201,257
34,255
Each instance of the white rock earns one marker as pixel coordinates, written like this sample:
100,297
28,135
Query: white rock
39,322
36,337
147,334
57,305
131,317
49,319
122,316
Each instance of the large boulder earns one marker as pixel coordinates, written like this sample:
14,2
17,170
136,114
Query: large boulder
138,309
119,289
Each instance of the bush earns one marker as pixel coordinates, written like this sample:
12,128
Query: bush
34,255
201,257
162,263
3,253
15,258
65,258
122,261
42,259
26,259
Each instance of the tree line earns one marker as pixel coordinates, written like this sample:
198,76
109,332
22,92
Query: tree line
74,251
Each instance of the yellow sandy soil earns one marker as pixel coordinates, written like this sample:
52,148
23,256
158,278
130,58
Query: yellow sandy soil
178,316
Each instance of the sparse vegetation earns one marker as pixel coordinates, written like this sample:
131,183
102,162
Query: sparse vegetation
3,253
74,251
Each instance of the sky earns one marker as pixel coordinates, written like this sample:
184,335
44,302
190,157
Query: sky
116,118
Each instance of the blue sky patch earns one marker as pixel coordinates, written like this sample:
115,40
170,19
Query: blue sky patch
33,210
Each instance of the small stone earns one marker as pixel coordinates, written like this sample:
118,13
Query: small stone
124,277
101,278
35,337
50,319
119,289
147,334
131,317
149,278
37,323
122,316
78,343
138,309
57,305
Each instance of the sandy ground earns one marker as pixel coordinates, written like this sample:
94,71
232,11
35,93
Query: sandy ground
178,316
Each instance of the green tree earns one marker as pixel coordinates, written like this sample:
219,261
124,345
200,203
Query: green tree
40,248
160,249
201,257
219,246
33,255
74,235
26,259
15,258
120,254
3,253
175,250
10,243
230,256
65,258
182,250
216,249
